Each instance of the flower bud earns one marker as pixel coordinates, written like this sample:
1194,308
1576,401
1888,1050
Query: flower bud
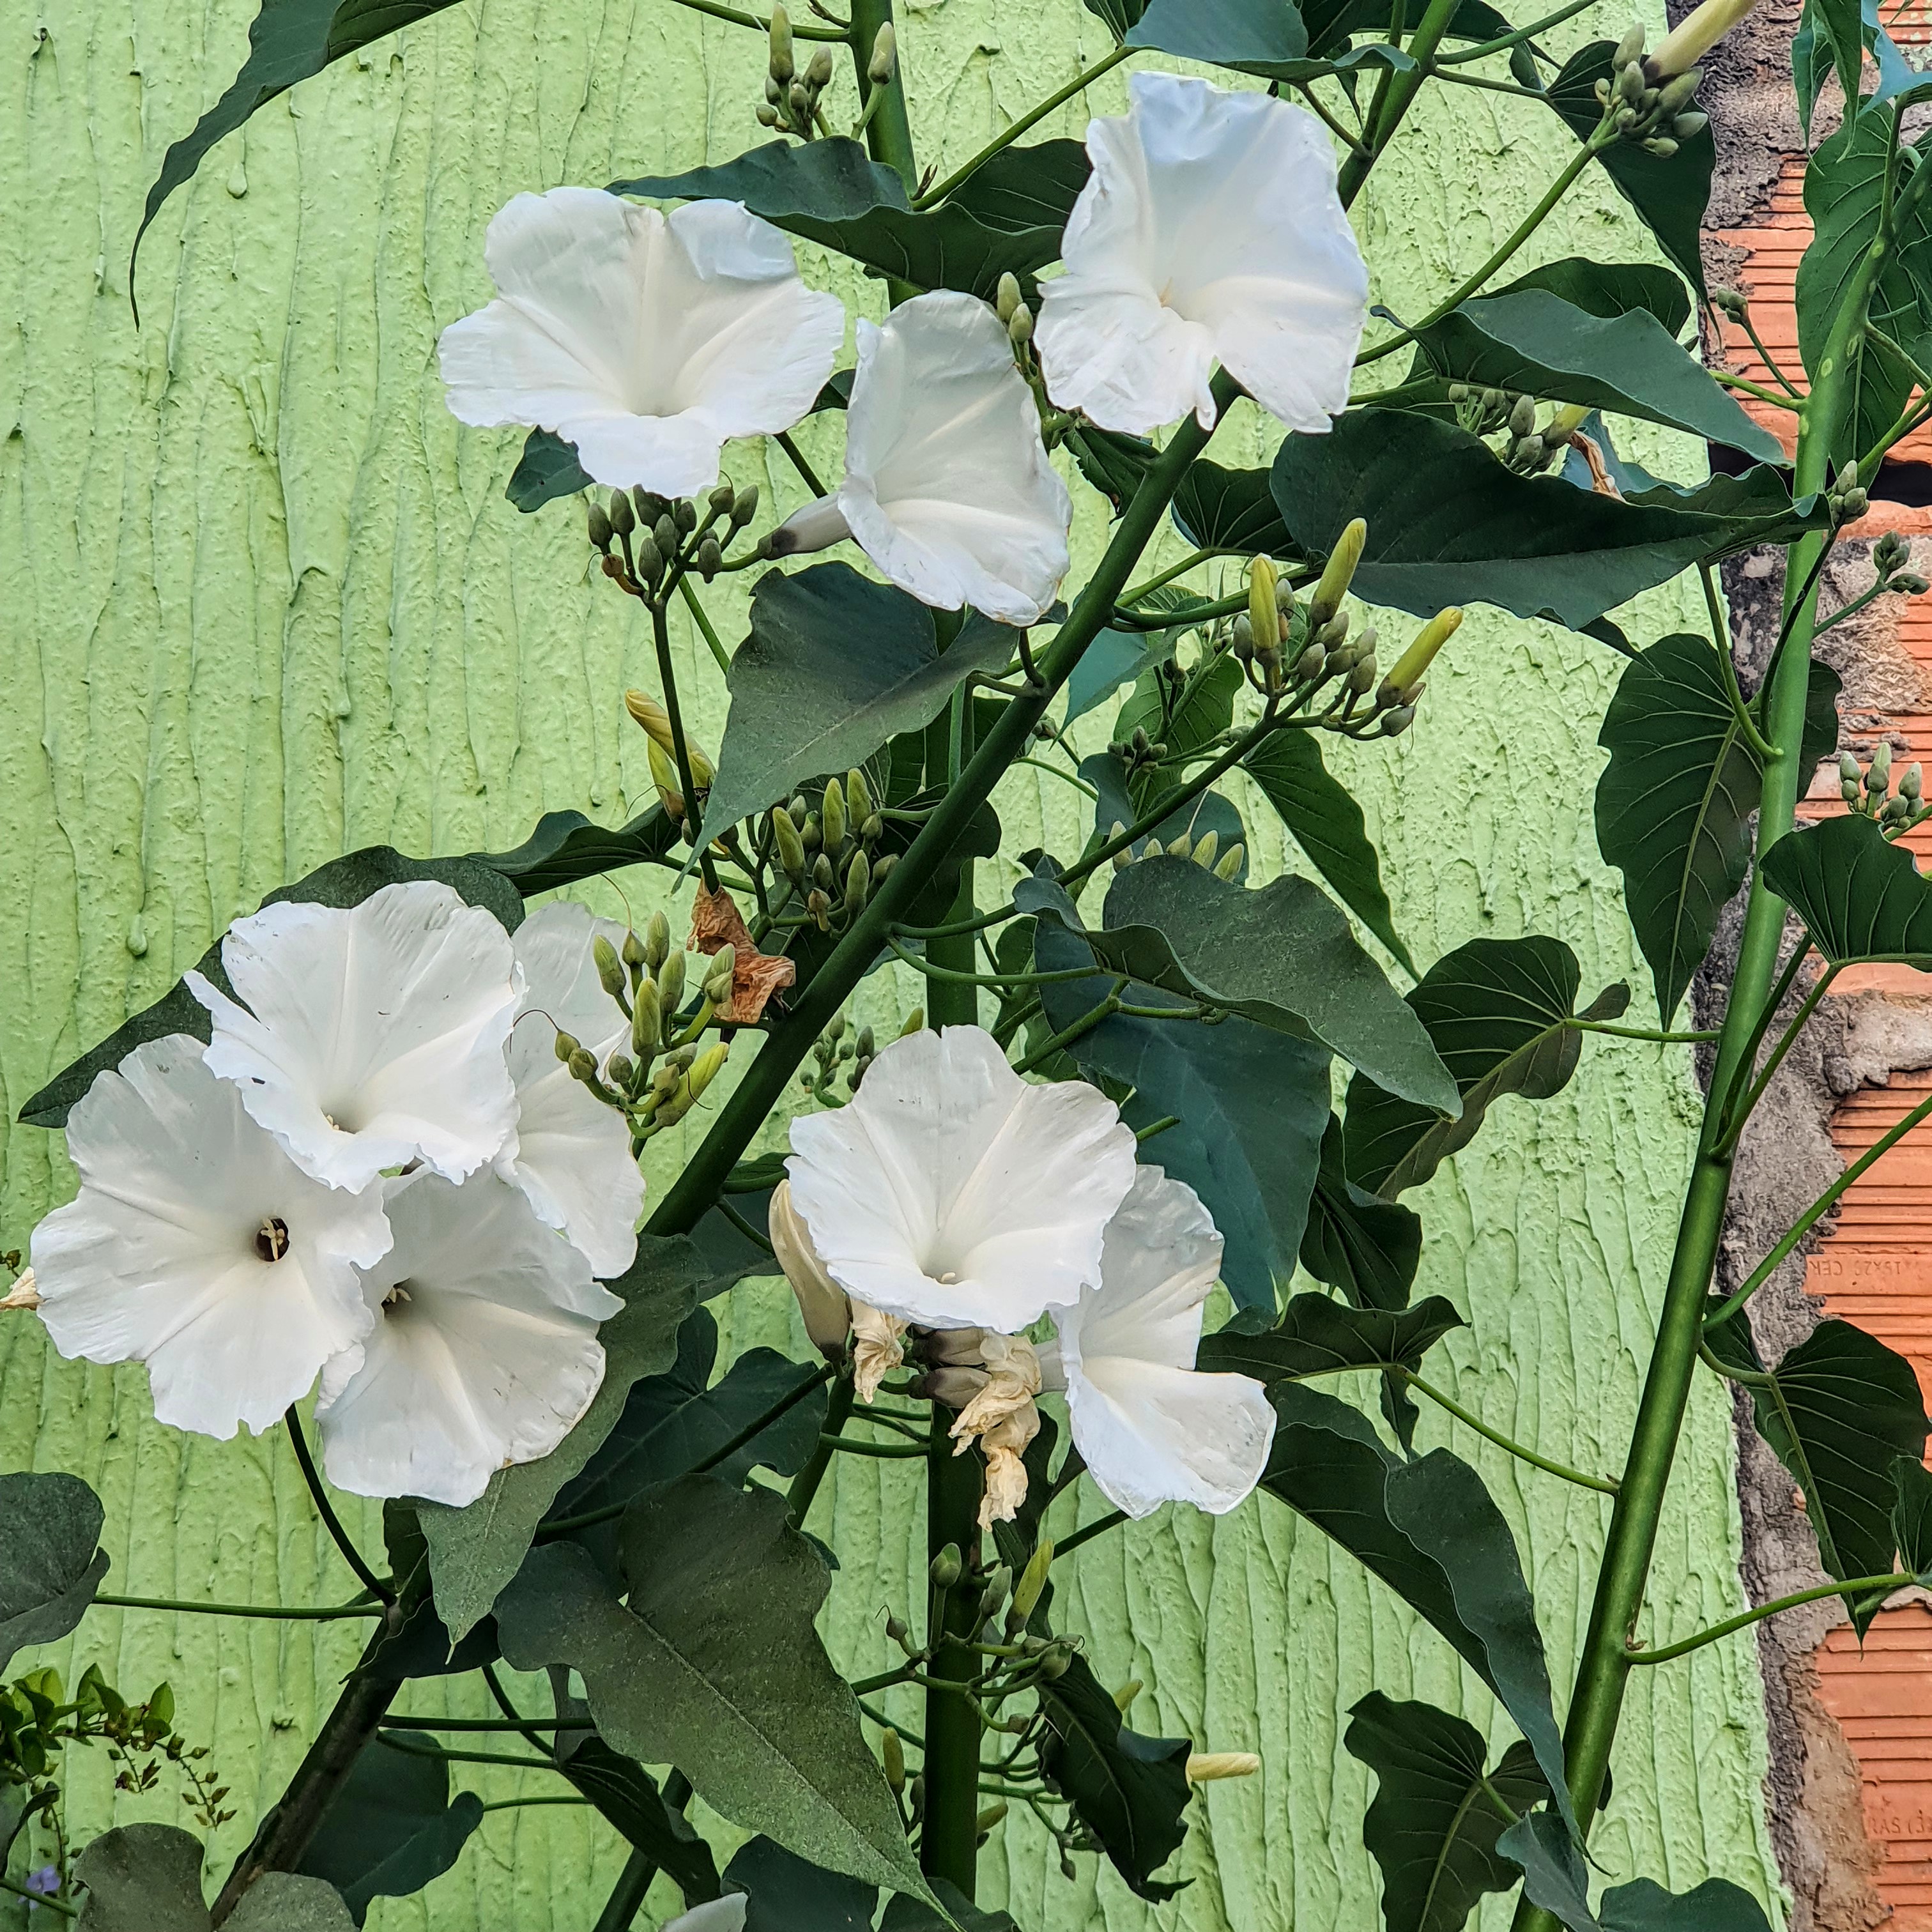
831,815
993,1598
822,876
648,558
623,519
818,70
1204,1767
1337,575
1912,783
1397,720
1008,298
800,102
891,1752
655,721
706,1067
858,796
583,1064
1848,768
719,976
657,940
1033,1581
709,560
1564,425
1629,85
1421,654
781,68
821,1301
1661,145
1694,36
885,59
818,904
1522,416
994,1814
1688,127
858,882
600,532
744,506
646,1020
664,775
1019,326
1205,852
1264,609
1228,866
1124,1698
882,868
1678,92
670,981
1630,48
1878,778
946,1568
1056,1662
567,1046
1308,666
812,834
1124,857
610,967
622,1070
1181,846
790,847
1362,673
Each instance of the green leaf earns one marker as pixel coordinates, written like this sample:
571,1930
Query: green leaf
288,41
1328,825
547,469
1448,524
1500,1013
1207,811
391,1827
1331,22
1676,803
1024,188
716,1666
912,1915
1232,510
1553,1876
1112,461
832,192
1859,894
1429,1530
1188,724
147,1878
342,882
566,847
1367,1247
51,1562
1669,194
1431,1827
1535,342
789,1894
1251,1104
475,1551
1129,1791
1715,1905
834,666
1263,38
1116,658
1912,1513
1283,956
1612,288
1839,1410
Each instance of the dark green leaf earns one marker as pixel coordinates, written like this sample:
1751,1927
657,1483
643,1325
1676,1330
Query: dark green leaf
1431,1827
288,41
391,1826
1912,1514
1676,803
1331,22
1251,1104
1839,1409
1859,894
474,1552
147,1878
716,1666
1023,188
788,1894
1553,1876
1367,1247
1257,36
1499,1011
51,1562
1448,524
1715,1905
1328,825
566,847
834,666
1230,509
912,1915
1113,462
1429,1530
627,1794
1116,658
1188,725
1207,812
1129,1791
547,469
1611,288
1669,193
1283,955
832,192
1535,342
342,882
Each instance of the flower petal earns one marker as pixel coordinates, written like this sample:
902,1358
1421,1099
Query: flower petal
483,1352
370,1037
715,1915
948,487
950,1192
156,1261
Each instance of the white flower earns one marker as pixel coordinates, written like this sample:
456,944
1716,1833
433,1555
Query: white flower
570,1154
196,1246
952,1193
371,1037
947,487
483,1350
1153,1430
647,341
715,1915
1209,231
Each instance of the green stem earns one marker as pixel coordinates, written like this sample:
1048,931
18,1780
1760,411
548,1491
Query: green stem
934,974
692,603
1087,1532
883,1452
804,1485
273,1612
65,1910
1735,1119
802,30
948,1846
1167,576
548,1797
1857,603
1394,96
1602,1672
395,1743
680,746
1854,1586
807,475
1503,43
343,1541
1757,389
1085,1024
1031,118
526,1725
1641,1032
1790,389
1605,1484
627,1895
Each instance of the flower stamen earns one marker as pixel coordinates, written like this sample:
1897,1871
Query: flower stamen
271,1238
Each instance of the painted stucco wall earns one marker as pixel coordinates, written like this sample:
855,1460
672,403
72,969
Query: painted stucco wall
261,602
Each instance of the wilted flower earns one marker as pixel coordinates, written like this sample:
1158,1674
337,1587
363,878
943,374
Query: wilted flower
570,1153
196,1246
1210,231
370,1037
948,488
481,1349
1152,1428
952,1193
1001,1417
647,341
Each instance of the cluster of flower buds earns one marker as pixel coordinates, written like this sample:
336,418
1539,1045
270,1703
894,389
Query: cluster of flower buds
834,1053
1205,851
1648,106
659,540
791,100
665,1073
1890,555
1845,500
832,856
1871,795
1528,447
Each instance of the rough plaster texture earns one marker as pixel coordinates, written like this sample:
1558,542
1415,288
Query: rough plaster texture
263,603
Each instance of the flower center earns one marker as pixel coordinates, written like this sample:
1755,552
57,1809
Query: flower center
271,1238
398,1297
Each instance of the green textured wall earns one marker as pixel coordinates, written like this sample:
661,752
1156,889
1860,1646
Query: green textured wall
262,602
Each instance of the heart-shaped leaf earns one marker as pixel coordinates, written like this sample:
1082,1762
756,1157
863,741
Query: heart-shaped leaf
1859,894
1231,510
566,847
1367,1247
51,1560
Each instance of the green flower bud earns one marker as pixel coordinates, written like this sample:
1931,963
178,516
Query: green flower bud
1264,610
1008,298
893,1755
719,977
1019,326
567,1046
1033,1581
800,102
646,1020
1124,1698
946,1566
915,1022
1056,1662
789,847
1522,416
858,796
885,59
1630,81
1732,302
671,982
621,1070
831,815
722,498
600,532
994,1814
1308,666
818,70
1228,866
1677,93
709,560
1362,674
1661,145
1688,127
835,1028
1630,48
872,828
799,810
819,904
781,68
1912,783
1337,575
1848,768
1410,667
1124,857
858,882
1395,722
993,1598
744,506
1205,851
822,876
812,834
1181,846
623,520
882,868
649,558
664,534
1878,778
1530,453
610,968
657,940
583,1065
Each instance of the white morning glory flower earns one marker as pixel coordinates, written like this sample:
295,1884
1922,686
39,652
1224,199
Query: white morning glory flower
372,1036
1152,1428
196,1246
483,1351
1210,231
951,1192
648,340
570,1154
715,1915
948,488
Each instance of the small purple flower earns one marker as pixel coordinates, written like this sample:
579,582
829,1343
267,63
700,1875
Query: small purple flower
45,1881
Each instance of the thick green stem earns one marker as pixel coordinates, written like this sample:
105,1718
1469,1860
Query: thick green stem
1394,97
950,1832
1597,1702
